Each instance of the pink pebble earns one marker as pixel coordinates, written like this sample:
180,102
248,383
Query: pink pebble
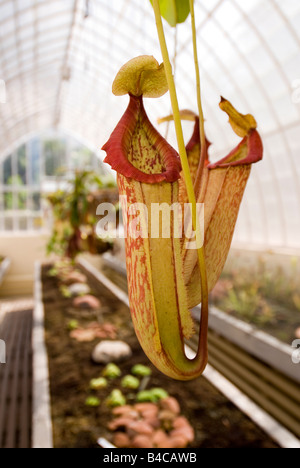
87,301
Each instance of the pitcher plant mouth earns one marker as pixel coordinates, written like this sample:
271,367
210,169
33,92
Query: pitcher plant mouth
160,162
164,279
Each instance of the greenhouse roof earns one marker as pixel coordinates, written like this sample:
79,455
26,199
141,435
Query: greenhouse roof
58,59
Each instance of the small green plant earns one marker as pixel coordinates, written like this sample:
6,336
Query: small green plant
53,273
141,371
159,393
74,209
112,371
116,399
130,382
65,292
145,396
92,402
98,384
73,325
249,303
154,395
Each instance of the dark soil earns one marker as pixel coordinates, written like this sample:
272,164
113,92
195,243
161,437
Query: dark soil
217,422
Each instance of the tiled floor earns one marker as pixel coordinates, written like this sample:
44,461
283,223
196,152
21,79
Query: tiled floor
16,373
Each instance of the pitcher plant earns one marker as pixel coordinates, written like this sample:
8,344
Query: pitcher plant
166,277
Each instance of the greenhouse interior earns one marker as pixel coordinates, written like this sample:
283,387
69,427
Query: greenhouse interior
136,128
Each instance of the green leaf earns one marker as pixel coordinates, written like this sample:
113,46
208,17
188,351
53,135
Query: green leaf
174,11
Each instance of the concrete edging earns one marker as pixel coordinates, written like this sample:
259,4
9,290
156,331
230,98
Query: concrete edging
41,419
4,268
257,343
121,295
259,416
114,263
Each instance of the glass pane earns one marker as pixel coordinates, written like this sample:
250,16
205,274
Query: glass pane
23,223
36,201
21,201
37,223
81,157
8,224
55,156
21,161
7,170
35,161
8,201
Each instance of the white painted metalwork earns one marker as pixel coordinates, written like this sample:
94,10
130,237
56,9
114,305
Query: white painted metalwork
58,60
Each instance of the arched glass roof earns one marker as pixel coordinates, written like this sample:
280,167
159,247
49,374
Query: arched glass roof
58,59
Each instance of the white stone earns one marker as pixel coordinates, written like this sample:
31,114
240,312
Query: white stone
111,351
78,289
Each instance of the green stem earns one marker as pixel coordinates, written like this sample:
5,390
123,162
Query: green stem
185,166
198,82
174,65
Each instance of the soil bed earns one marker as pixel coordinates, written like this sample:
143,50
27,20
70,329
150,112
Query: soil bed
217,422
